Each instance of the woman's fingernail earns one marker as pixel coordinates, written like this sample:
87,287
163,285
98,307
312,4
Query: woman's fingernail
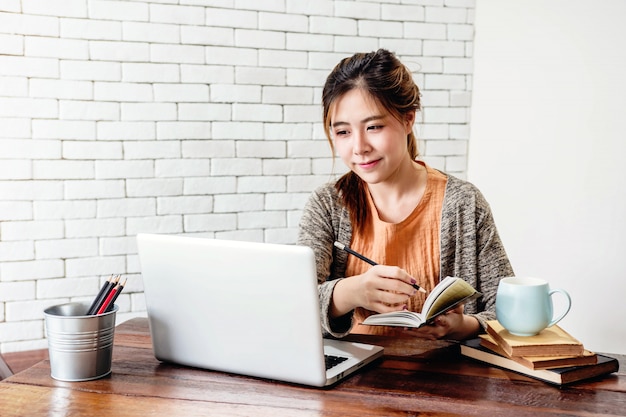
413,281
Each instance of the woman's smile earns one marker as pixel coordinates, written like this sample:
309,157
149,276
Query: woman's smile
369,164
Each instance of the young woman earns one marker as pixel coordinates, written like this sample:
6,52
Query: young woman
419,224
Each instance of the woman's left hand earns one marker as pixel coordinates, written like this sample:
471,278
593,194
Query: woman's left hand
453,324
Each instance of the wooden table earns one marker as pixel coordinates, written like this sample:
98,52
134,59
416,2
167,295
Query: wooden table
415,377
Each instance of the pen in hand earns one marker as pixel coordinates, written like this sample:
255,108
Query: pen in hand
369,261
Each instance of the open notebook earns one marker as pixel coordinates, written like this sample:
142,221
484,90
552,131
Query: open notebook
241,307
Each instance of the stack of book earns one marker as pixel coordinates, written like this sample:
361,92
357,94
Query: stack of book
553,355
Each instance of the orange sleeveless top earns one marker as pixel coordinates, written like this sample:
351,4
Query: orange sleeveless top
413,244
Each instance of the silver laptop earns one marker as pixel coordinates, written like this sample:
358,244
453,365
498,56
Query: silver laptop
241,307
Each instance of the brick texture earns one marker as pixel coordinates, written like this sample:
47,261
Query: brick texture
119,117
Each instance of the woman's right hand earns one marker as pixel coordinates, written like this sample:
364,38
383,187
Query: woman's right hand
380,289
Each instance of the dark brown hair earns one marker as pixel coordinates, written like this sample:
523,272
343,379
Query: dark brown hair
390,84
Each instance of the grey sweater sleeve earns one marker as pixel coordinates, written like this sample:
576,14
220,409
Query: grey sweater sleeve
323,222
471,247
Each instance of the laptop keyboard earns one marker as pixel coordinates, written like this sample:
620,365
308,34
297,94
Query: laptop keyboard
332,361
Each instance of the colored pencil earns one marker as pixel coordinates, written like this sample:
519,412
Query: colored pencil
106,287
113,294
117,294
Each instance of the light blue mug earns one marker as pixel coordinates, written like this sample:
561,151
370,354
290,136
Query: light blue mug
524,305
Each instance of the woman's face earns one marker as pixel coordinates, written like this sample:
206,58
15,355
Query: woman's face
369,140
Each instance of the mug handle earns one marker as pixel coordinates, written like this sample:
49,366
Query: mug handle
567,308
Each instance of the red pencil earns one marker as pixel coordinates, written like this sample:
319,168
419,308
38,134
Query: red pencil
117,294
111,297
108,285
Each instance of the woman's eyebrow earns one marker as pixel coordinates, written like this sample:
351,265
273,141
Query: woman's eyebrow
366,120
337,124
372,118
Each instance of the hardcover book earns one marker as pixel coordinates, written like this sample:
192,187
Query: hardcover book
553,341
541,362
559,376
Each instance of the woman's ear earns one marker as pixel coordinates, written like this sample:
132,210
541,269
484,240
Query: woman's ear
409,121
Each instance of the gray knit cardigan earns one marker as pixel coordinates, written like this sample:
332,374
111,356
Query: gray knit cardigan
470,247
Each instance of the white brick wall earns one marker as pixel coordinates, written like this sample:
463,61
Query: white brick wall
119,117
